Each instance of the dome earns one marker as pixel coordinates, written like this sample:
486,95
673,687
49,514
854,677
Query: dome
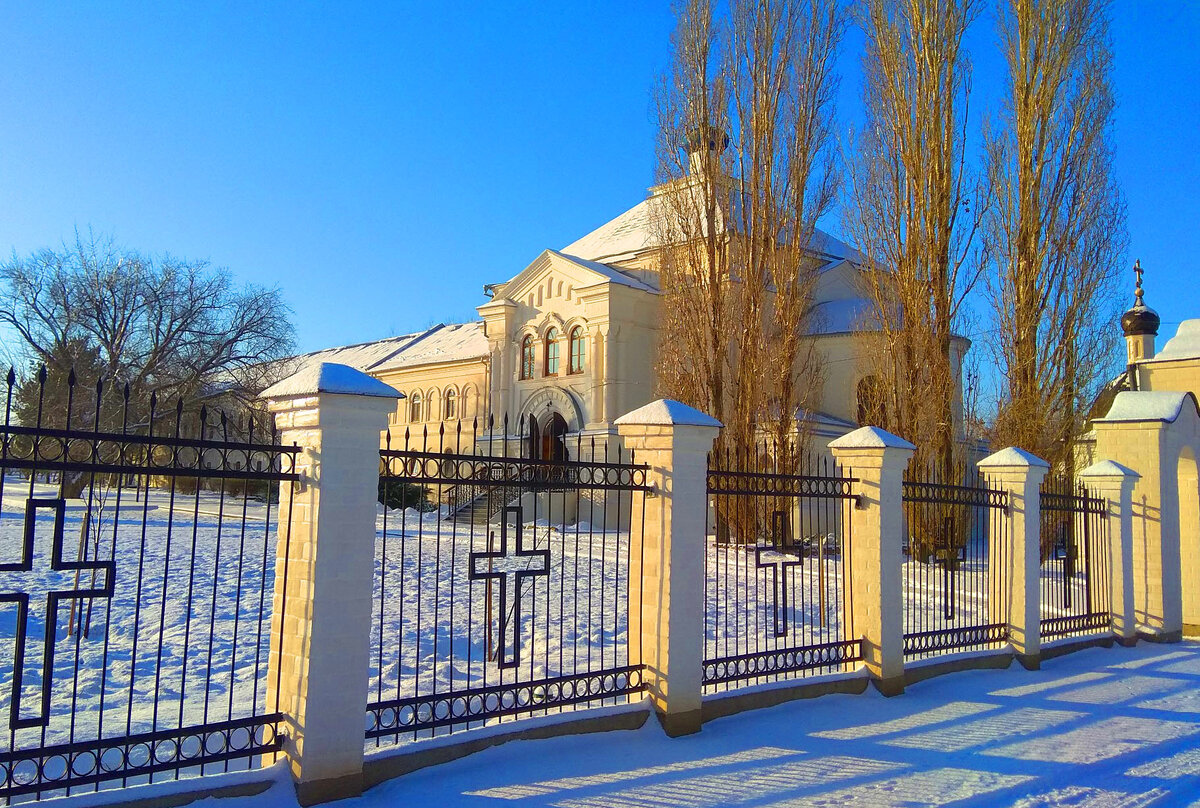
1140,321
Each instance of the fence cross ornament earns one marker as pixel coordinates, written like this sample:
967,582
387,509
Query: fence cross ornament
773,557
511,570
44,578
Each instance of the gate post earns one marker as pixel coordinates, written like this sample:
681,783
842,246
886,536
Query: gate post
666,579
1114,483
877,459
324,568
1021,474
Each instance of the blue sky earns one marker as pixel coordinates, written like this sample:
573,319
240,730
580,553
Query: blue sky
381,162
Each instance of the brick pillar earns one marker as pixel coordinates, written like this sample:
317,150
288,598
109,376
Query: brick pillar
1021,474
1114,483
666,579
877,459
324,568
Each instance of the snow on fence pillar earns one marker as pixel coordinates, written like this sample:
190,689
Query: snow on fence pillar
321,619
877,459
666,581
1115,483
1016,584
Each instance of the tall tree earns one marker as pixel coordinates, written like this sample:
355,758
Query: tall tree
746,170
914,210
92,312
162,324
1057,233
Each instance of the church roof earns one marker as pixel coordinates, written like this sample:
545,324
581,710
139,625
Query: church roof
634,232
441,343
612,273
1184,345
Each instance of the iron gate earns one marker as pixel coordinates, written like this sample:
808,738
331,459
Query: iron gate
502,582
138,545
776,597
956,557
1076,572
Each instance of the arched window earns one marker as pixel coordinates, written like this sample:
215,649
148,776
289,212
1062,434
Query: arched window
527,357
451,404
577,351
414,408
551,364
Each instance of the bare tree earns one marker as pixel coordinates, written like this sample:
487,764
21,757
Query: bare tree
746,169
164,326
1057,233
914,210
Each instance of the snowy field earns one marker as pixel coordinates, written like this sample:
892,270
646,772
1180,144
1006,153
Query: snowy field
181,639
1115,728
436,630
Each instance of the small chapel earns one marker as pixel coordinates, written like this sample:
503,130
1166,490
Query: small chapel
567,345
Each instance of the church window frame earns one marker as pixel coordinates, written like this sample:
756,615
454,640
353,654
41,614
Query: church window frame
414,408
450,404
577,350
527,357
550,353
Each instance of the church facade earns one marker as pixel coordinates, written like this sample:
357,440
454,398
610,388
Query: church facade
568,344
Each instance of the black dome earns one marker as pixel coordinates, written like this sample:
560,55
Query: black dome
1140,321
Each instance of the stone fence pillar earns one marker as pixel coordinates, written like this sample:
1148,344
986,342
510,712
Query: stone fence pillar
877,459
1114,483
324,568
667,576
1016,565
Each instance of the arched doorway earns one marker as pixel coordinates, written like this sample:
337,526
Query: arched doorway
1188,477
554,439
546,439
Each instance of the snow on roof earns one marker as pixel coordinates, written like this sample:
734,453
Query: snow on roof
442,343
667,412
330,377
633,232
1185,344
610,272
360,356
1012,457
870,437
629,233
1147,405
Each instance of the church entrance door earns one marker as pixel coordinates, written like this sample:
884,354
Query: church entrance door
554,445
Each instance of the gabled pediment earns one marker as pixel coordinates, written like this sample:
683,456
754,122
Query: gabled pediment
573,273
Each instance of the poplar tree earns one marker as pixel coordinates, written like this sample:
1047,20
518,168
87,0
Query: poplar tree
1057,232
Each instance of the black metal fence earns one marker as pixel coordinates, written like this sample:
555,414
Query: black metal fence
137,547
957,551
502,580
1076,569
777,592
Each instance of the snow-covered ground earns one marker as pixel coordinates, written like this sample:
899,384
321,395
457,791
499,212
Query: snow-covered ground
184,634
1103,727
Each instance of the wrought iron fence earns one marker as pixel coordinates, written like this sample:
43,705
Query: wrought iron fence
134,587
956,558
777,591
1076,571
502,580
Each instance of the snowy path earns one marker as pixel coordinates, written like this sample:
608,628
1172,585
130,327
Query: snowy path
1112,727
